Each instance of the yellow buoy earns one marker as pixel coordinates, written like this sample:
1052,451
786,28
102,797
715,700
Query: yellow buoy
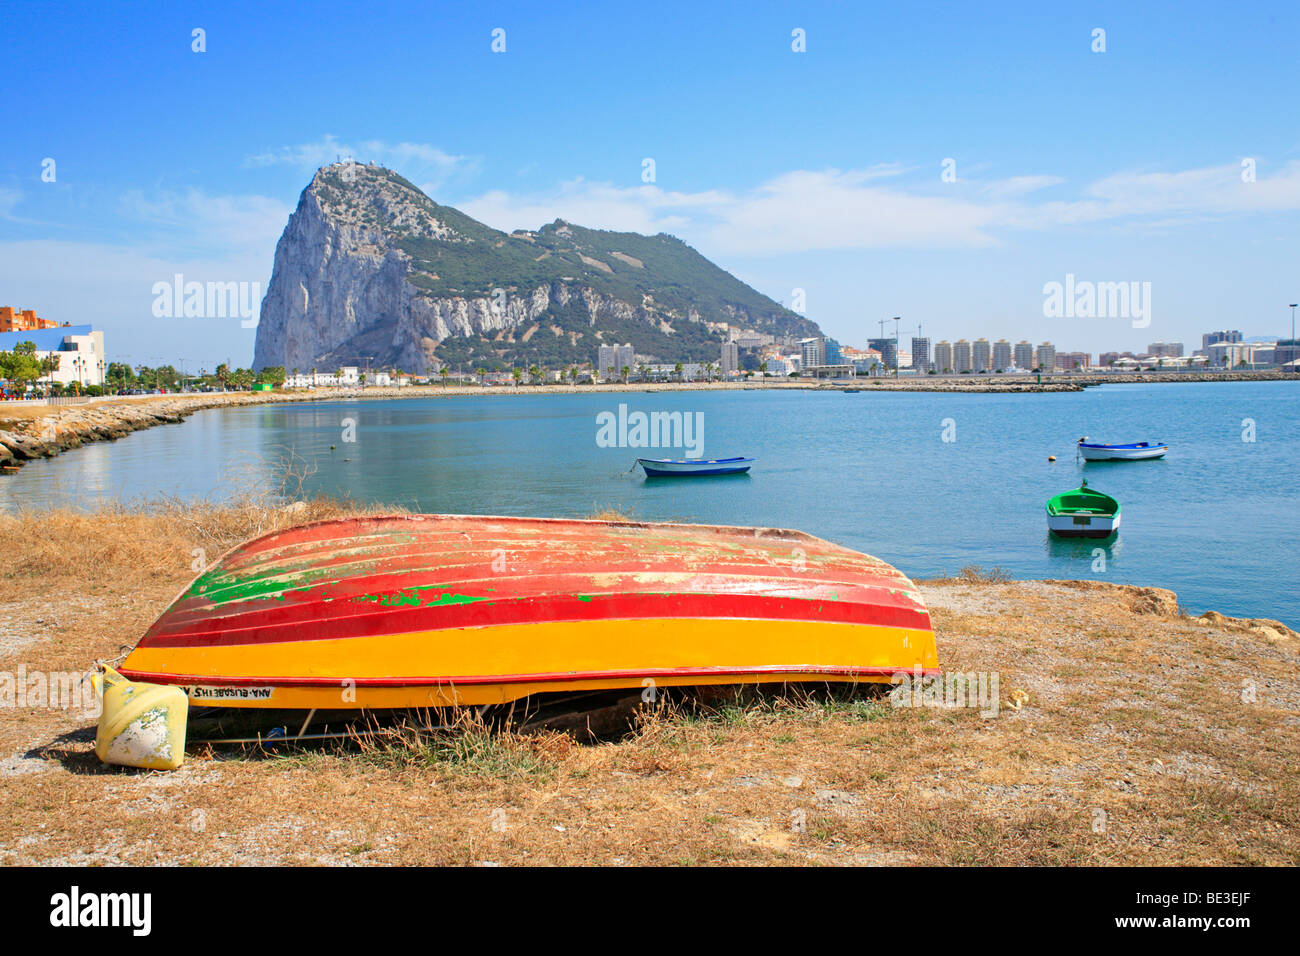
142,725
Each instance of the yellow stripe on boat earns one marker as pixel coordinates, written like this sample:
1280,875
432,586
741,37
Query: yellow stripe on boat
476,665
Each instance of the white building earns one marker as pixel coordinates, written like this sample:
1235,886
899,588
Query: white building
691,372
348,375
78,349
1236,354
612,359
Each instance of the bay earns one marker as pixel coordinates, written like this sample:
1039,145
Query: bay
930,482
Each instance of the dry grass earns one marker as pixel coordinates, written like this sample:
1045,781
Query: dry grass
975,574
1144,737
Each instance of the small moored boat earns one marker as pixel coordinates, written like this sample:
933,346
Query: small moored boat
1133,451
687,467
1082,513
414,611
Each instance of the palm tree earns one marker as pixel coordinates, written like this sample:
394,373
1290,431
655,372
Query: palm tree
442,372
534,373
516,374
677,370
625,372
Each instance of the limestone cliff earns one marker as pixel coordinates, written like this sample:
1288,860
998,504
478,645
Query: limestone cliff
369,270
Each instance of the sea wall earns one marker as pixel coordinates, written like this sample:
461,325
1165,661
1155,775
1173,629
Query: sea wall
42,431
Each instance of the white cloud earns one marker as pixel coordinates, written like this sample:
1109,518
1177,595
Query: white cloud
842,210
111,287
194,219
823,210
205,238
798,211
1157,199
428,166
644,209
8,199
1020,185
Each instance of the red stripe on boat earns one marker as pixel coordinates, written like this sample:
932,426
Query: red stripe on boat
330,621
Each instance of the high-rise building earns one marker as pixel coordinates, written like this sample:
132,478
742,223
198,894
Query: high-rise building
1001,355
920,354
730,357
943,356
980,356
833,354
1165,349
1228,335
1024,355
1069,360
812,352
611,359
1045,357
961,356
888,349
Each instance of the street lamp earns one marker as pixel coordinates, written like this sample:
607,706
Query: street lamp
1294,368
897,319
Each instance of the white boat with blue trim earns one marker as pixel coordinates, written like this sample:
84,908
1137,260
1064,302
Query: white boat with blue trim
694,467
1133,451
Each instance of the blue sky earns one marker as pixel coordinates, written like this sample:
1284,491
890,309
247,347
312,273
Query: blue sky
818,170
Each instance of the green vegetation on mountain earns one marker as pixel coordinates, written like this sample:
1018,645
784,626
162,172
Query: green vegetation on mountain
572,289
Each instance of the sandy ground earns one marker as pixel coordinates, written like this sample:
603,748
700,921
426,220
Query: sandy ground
1125,733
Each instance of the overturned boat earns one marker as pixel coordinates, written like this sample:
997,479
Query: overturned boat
418,611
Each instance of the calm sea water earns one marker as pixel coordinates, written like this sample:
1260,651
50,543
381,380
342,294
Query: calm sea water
1216,520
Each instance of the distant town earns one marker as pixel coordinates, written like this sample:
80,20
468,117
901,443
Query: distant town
41,358
748,353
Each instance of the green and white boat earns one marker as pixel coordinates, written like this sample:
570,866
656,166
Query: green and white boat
1082,513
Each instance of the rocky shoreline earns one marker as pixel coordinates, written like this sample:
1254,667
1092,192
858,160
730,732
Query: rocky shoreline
28,432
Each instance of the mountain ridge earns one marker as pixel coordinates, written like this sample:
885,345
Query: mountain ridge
371,271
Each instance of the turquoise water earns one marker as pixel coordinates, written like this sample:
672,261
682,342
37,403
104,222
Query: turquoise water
1216,520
